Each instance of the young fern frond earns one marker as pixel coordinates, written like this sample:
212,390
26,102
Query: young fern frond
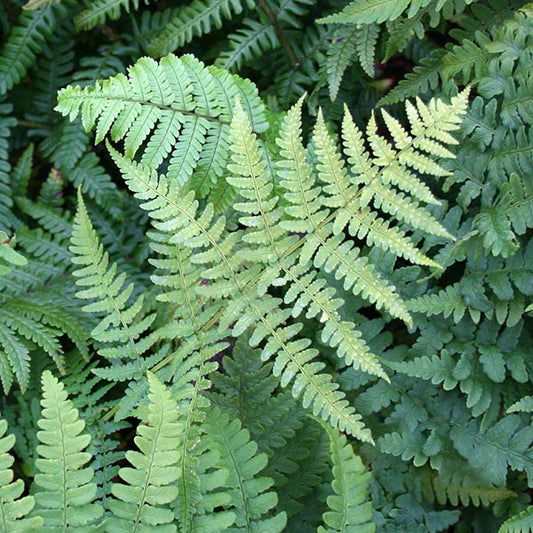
350,509
142,502
65,490
13,508
250,500
124,323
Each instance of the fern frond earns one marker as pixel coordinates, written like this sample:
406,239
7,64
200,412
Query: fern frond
170,212
174,112
340,55
520,523
449,490
123,324
65,490
370,11
349,508
24,42
193,20
13,508
142,502
98,11
6,198
250,500
250,41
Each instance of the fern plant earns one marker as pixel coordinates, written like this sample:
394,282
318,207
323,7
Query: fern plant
265,265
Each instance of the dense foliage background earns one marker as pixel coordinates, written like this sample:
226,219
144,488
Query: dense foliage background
278,277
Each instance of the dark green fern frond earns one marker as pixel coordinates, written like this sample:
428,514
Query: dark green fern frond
13,508
350,508
250,500
142,501
65,490
6,199
193,20
251,40
98,11
25,41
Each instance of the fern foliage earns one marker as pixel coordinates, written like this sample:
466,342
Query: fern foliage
278,255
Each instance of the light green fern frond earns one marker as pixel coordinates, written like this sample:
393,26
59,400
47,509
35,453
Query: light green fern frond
124,323
520,523
173,112
13,508
350,509
180,215
142,502
251,501
65,490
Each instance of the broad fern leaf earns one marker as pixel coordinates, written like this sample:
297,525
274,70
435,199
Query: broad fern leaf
350,508
65,490
173,112
142,502
13,508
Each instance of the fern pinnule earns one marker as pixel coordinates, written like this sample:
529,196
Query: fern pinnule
65,491
142,501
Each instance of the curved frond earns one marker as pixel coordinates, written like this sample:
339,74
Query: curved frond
173,112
